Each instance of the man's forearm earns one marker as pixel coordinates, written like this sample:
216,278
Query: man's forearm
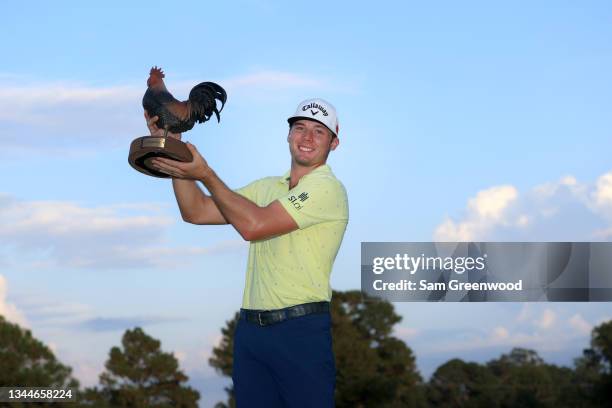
188,197
195,206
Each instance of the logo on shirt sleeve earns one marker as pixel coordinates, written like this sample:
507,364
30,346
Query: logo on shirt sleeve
296,200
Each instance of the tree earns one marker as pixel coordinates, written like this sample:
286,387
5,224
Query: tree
140,375
527,381
594,368
518,357
223,358
520,378
374,369
460,384
27,362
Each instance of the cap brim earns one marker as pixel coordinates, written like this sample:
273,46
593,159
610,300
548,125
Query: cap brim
294,118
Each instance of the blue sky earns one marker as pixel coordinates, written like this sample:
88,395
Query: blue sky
458,120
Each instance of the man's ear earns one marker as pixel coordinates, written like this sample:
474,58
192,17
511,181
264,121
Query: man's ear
334,143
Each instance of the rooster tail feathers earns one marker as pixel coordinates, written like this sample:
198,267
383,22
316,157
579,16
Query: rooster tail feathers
203,99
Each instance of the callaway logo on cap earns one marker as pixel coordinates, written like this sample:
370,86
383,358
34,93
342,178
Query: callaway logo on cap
318,110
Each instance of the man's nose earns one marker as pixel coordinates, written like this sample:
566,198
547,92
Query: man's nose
309,134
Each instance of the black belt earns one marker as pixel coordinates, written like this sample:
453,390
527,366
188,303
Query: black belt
267,317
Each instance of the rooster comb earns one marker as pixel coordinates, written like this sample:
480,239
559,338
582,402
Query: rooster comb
157,72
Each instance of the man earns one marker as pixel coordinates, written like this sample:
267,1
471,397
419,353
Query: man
282,346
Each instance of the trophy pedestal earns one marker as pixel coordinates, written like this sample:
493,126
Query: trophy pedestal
146,148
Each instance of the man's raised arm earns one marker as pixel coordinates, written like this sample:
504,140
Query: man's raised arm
196,207
251,221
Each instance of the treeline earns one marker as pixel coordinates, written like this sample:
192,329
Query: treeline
374,369
137,374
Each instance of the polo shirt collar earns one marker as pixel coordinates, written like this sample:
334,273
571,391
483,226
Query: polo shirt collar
286,178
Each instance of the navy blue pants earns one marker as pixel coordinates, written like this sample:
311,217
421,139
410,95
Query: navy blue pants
288,364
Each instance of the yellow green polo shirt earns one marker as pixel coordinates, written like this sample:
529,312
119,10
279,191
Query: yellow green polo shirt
294,268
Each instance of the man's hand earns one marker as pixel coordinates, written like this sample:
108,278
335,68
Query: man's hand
197,169
155,131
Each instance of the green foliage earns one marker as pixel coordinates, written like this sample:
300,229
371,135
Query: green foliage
520,378
460,384
374,369
595,366
223,358
27,362
601,344
525,380
140,375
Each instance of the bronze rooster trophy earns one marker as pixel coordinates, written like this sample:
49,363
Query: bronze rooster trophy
175,117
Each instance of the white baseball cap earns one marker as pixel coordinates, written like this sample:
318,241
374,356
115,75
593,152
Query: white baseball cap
318,110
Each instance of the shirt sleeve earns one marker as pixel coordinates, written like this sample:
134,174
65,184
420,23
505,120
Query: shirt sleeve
315,200
249,191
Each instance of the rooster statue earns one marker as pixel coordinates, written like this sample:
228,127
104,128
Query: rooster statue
173,116
176,116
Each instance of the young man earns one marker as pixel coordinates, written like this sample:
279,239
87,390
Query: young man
282,346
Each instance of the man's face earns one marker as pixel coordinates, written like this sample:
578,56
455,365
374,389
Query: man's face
310,142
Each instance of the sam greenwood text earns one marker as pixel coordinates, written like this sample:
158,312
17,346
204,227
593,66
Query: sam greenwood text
452,285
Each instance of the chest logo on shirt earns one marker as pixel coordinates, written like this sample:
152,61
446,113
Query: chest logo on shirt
294,200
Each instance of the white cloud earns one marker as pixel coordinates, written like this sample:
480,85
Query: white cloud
548,190
547,320
68,117
53,315
602,196
539,326
491,203
604,234
26,103
486,209
58,219
501,337
51,312
498,336
46,234
500,333
578,323
9,310
565,210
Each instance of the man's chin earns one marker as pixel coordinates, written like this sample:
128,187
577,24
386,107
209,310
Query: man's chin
303,162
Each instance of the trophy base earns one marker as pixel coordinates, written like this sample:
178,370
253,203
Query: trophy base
146,148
